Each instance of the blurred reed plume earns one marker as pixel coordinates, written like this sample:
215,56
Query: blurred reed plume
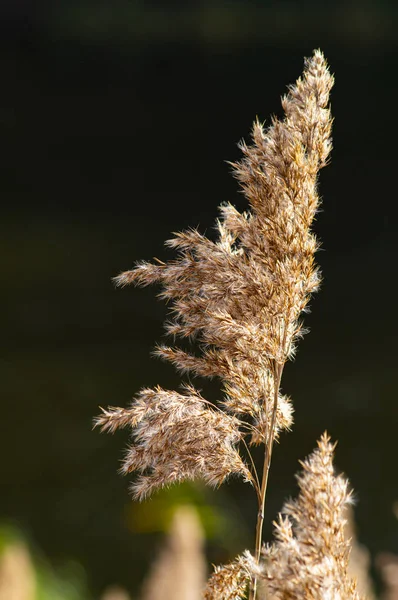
240,298
17,574
387,564
360,559
179,572
115,593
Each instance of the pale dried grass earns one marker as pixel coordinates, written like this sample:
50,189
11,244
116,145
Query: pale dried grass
240,299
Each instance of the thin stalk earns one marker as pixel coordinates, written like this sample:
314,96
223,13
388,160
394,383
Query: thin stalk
256,481
264,481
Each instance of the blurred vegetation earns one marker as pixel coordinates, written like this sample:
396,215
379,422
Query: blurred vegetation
25,575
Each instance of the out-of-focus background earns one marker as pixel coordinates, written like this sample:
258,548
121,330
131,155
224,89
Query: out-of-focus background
116,122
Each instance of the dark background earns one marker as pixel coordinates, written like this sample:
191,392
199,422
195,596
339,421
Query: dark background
116,119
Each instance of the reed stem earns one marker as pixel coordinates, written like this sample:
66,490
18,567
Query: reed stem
264,481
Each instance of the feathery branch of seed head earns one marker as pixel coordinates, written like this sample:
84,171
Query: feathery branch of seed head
240,297
230,582
263,422
309,558
177,437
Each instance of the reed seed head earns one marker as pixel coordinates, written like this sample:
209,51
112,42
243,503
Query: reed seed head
309,558
240,296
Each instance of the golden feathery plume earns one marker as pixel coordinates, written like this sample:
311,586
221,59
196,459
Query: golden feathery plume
310,556
240,299
179,571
